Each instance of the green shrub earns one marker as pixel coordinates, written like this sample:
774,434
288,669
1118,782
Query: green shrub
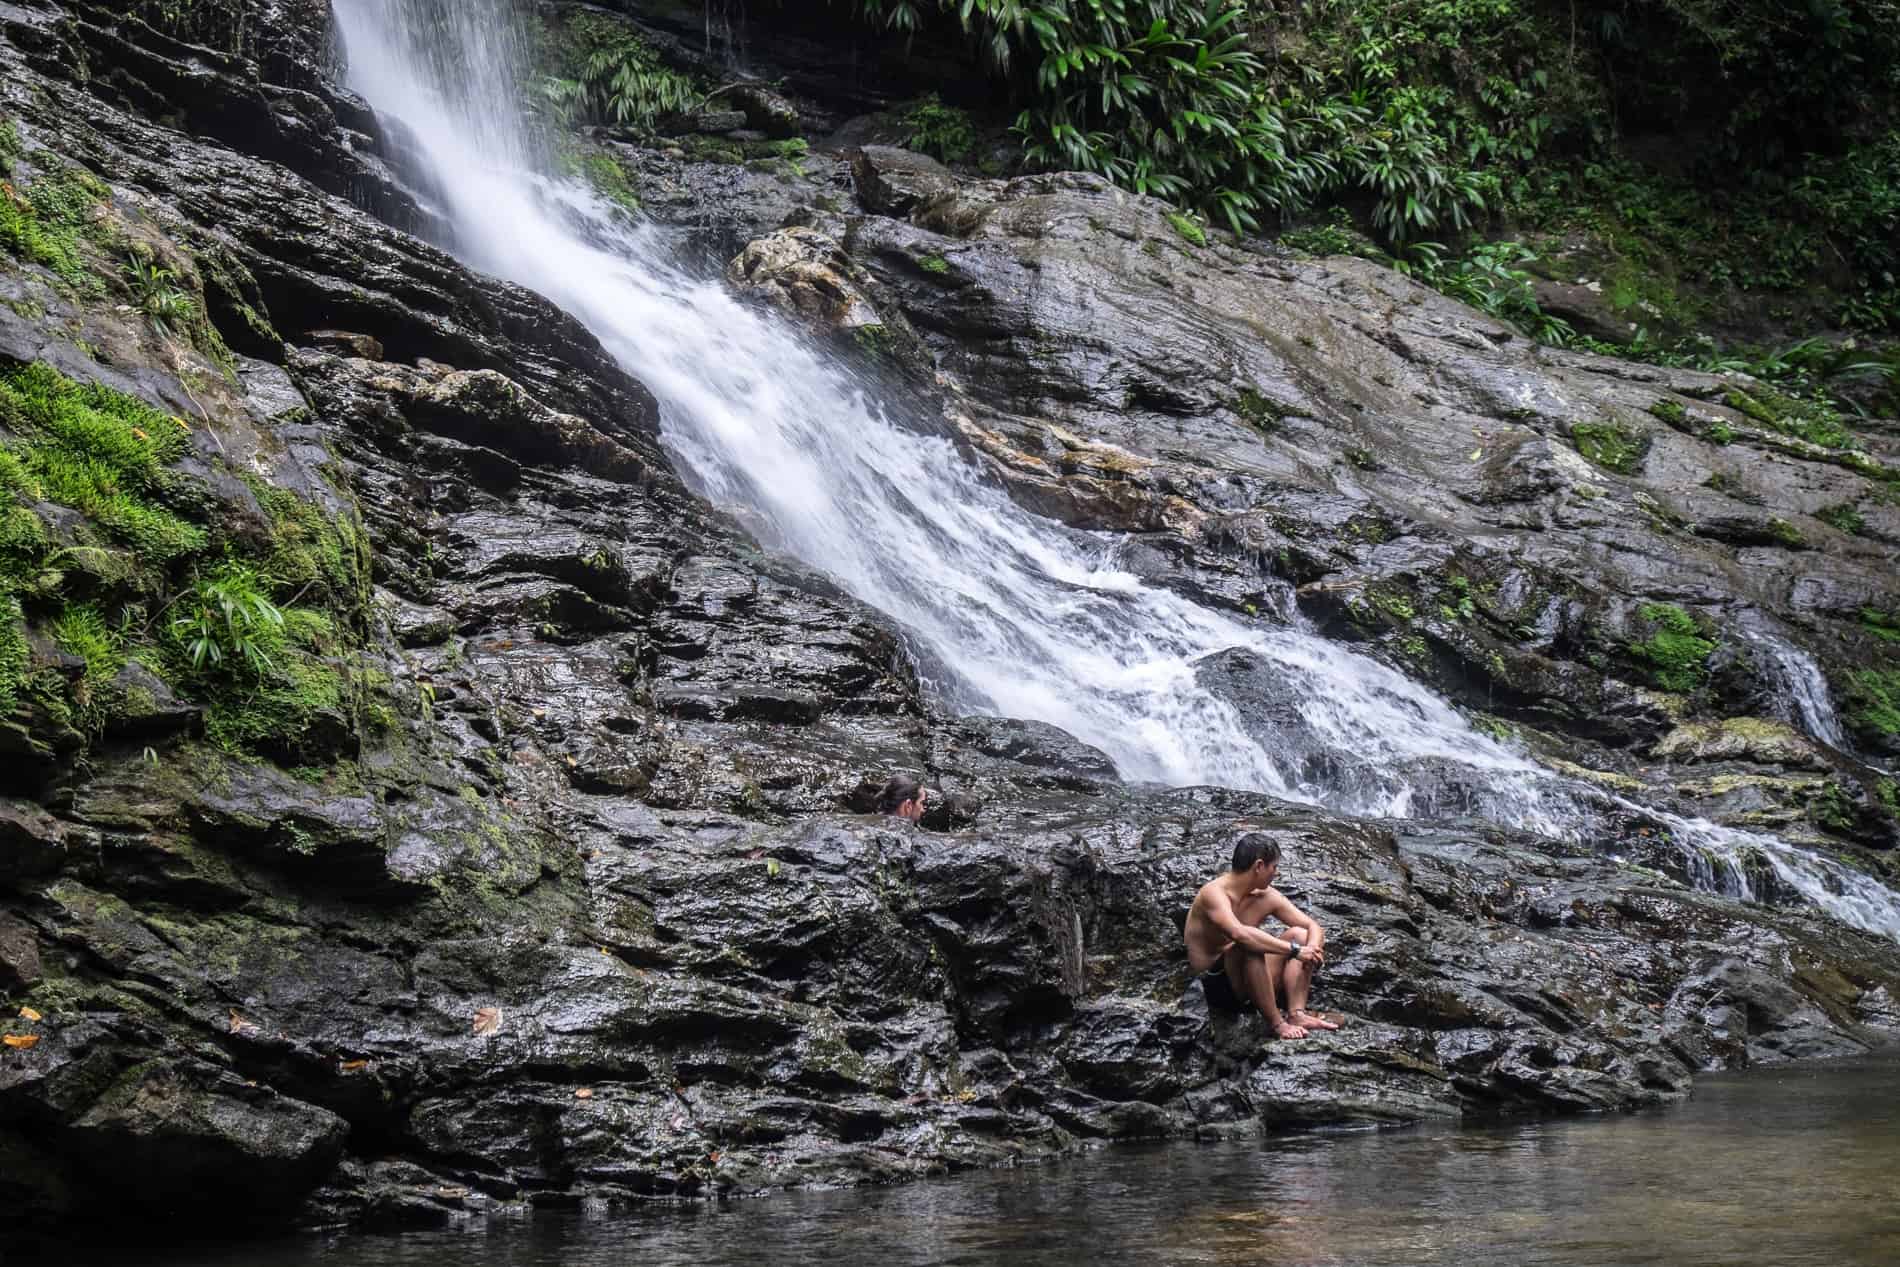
600,71
159,296
1488,278
943,132
227,623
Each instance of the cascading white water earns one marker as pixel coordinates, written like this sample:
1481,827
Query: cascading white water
1804,686
1024,617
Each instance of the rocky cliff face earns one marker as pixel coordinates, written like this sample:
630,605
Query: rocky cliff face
530,873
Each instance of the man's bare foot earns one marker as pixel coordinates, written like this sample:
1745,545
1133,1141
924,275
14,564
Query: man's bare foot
1312,1020
1285,1030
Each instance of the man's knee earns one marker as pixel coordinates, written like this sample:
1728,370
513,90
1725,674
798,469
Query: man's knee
1295,935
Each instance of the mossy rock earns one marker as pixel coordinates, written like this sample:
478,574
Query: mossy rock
1678,650
1609,446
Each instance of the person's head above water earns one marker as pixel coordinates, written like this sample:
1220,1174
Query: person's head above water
1257,850
902,796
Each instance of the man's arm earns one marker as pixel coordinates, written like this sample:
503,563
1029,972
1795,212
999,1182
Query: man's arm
1220,909
1293,917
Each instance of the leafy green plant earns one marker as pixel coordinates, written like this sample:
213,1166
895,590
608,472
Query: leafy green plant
1488,278
943,132
1187,229
602,72
227,622
159,296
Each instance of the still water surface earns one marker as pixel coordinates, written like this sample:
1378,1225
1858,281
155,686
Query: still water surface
1782,1167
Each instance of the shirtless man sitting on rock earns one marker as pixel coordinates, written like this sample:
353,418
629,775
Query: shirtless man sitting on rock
1238,962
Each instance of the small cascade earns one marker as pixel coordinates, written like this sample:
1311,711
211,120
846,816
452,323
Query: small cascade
1806,702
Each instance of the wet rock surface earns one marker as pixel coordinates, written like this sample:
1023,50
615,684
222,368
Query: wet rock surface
585,911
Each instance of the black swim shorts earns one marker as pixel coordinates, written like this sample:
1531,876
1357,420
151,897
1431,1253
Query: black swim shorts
1220,991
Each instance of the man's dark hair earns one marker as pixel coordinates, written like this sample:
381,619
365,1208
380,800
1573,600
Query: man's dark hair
1255,847
896,790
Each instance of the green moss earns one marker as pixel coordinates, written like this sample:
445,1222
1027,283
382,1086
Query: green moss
1187,229
1785,533
1846,517
1721,433
277,714
83,632
321,555
1262,411
610,180
1831,809
100,452
51,222
874,340
1609,446
10,147
1884,625
1887,792
15,656
1393,604
1874,701
108,455
1677,652
1671,412
1804,419
934,264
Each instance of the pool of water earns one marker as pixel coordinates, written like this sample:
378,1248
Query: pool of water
1782,1167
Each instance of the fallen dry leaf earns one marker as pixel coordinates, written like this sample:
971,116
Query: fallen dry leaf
20,1042
539,712
241,1026
487,1020
28,1014
583,1093
453,1194
351,1066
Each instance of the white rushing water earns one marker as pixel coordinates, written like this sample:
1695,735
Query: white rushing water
1803,686
1016,615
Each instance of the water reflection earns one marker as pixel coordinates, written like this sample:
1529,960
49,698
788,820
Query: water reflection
1784,1167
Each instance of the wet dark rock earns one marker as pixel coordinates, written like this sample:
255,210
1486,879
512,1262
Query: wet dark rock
581,908
714,122
771,113
891,181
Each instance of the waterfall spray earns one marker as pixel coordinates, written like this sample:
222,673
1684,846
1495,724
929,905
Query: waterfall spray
1027,618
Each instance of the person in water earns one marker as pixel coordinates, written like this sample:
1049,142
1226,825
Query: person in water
1239,963
902,796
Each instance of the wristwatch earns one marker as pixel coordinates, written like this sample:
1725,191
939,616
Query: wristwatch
1297,947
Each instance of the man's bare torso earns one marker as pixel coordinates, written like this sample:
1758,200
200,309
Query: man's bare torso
1205,941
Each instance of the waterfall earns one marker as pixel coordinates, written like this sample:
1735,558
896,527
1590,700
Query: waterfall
1803,688
1015,615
